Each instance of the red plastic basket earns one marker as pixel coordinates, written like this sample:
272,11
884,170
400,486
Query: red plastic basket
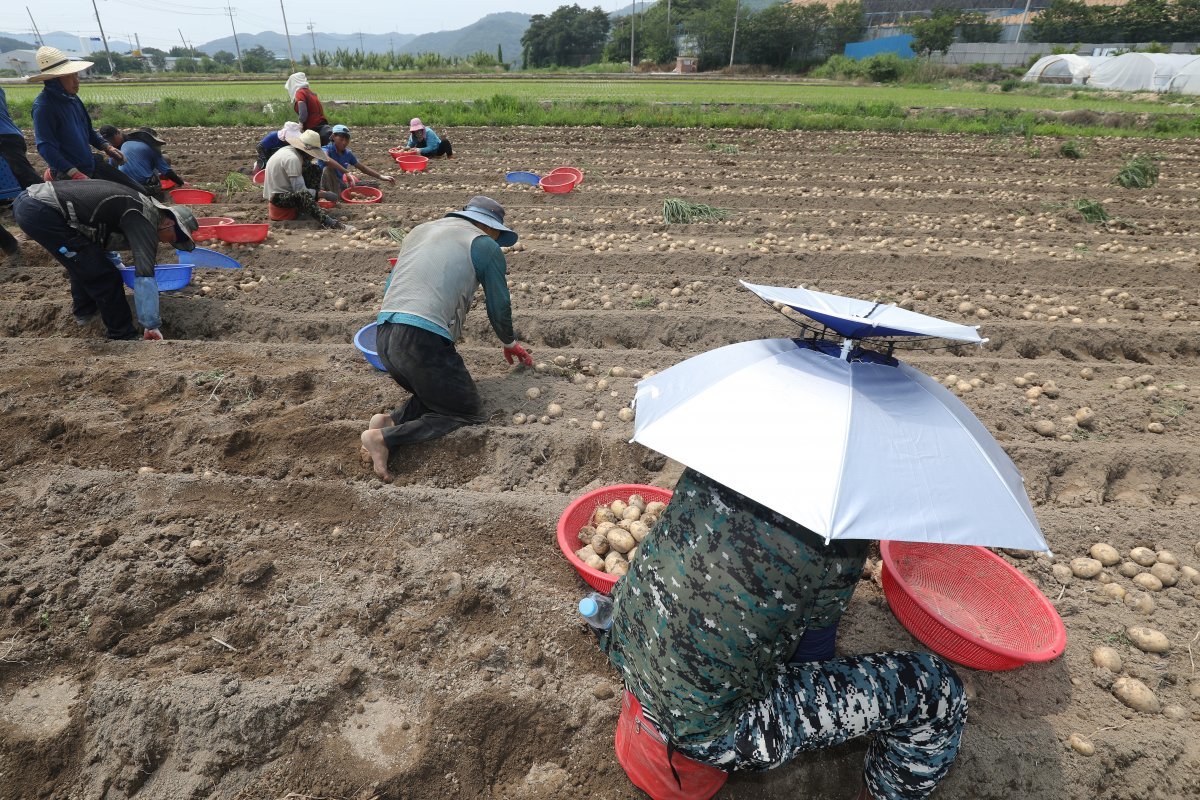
580,511
194,197
969,605
557,183
410,162
569,171
326,204
249,233
361,194
260,177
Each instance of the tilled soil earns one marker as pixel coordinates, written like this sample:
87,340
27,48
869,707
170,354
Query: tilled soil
205,593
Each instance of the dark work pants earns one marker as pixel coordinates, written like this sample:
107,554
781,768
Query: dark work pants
95,283
8,242
13,148
444,149
444,396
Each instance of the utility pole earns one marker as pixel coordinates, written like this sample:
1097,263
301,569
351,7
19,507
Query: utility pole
313,36
185,44
288,34
632,25
137,40
112,68
360,44
36,32
733,45
1021,27
236,46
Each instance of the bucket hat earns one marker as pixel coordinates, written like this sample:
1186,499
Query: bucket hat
308,143
54,63
185,225
416,124
147,135
487,211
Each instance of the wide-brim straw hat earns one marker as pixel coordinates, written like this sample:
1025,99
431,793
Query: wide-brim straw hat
54,63
309,143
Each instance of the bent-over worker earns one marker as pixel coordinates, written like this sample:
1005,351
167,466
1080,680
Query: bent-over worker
425,302
339,150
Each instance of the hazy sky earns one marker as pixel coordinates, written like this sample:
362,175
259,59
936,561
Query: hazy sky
156,21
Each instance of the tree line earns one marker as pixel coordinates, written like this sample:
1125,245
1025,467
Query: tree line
780,36
1136,21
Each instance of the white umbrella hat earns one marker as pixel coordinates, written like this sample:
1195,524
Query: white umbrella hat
855,445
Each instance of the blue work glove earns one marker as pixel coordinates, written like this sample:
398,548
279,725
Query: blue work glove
145,299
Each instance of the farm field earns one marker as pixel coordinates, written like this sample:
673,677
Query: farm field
643,90
205,593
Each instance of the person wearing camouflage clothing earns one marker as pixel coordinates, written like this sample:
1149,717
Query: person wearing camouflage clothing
709,633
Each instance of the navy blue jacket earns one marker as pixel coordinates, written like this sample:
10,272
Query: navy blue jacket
63,131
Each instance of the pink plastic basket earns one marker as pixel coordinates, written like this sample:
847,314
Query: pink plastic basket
969,605
580,511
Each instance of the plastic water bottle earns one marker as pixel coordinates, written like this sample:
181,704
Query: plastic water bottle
66,253
597,609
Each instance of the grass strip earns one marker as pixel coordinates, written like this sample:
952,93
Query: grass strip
508,110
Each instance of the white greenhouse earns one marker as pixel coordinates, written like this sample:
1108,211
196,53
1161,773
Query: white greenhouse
1141,72
1065,68
1187,80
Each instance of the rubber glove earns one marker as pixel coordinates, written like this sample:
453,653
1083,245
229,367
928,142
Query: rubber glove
515,350
79,176
145,299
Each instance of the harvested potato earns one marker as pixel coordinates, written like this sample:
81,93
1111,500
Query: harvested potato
1106,554
1062,573
1140,602
1166,573
588,556
620,540
1143,556
1148,582
632,554
518,419
624,524
637,501
533,393
638,530
631,513
603,514
1190,573
1081,745
1113,590
586,533
625,414
1175,713
615,564
650,520
1167,557
1085,567
1128,569
618,508
1136,695
554,411
1148,640
1105,577
1107,658
655,507
604,527
599,543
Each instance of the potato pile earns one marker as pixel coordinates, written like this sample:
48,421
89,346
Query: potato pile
610,541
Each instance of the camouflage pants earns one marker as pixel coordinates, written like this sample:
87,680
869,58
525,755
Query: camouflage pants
304,203
913,703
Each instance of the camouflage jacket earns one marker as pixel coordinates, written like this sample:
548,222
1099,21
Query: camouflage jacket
718,597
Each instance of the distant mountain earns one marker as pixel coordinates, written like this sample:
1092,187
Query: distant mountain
303,42
8,43
505,29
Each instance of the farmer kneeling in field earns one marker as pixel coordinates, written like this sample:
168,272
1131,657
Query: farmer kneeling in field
292,178
722,631
145,163
424,141
79,222
338,149
426,299
272,143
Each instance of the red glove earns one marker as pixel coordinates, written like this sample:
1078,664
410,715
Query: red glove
515,350
79,176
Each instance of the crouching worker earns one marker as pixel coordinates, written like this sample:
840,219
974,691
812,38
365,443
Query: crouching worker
426,299
339,150
272,143
78,222
424,141
293,177
145,163
709,634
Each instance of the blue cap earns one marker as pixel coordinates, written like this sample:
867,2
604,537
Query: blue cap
588,607
342,129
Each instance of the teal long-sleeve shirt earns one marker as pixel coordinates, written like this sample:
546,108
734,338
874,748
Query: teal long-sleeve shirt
487,259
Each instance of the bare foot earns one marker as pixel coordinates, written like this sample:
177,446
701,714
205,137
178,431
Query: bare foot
372,442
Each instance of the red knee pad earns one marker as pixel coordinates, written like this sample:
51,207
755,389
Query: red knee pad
642,752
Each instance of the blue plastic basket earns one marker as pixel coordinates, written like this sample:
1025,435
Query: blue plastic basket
364,340
203,257
531,178
169,276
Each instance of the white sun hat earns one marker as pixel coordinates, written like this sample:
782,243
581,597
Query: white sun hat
54,63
